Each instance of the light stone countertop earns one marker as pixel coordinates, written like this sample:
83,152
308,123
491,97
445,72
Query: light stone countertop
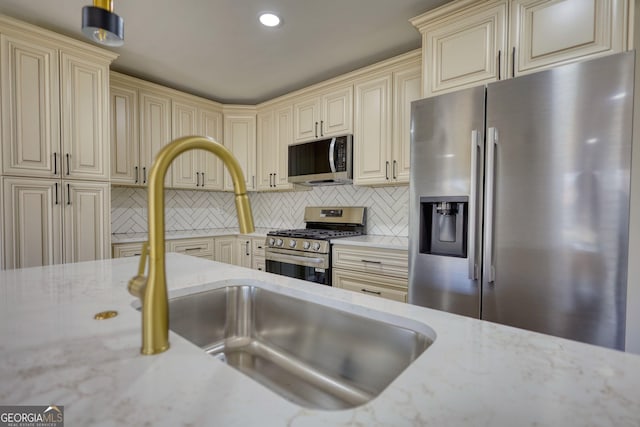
475,373
372,240
186,234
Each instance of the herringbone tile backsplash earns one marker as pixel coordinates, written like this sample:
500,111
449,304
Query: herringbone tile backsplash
387,208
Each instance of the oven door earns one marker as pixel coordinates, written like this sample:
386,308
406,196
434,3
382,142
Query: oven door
299,265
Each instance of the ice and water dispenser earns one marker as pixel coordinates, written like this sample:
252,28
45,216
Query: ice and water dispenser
443,226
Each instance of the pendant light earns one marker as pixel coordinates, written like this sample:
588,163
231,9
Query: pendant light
101,25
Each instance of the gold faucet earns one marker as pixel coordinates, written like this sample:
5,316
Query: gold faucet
152,290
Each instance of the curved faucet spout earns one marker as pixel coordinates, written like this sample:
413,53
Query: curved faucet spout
153,289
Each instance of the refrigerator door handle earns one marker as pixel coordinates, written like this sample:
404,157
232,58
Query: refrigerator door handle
473,205
488,270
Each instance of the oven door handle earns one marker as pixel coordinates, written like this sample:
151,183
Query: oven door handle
296,259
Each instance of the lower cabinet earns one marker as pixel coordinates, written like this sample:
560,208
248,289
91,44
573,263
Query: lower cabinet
257,254
226,249
198,247
50,221
371,271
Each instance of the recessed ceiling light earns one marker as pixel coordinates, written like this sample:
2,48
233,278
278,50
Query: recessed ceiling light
269,20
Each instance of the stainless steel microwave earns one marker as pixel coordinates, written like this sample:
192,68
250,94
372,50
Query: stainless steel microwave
322,162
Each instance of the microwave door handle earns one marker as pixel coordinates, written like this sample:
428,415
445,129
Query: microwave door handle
332,160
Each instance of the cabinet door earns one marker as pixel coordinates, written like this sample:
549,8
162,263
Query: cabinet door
337,112
30,108
372,134
32,222
267,152
552,32
240,138
125,147
385,287
407,87
210,166
155,129
124,250
306,119
85,118
284,137
466,49
226,250
244,252
184,123
87,224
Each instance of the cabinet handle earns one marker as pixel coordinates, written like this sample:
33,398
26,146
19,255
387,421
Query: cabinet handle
274,180
316,129
499,63
386,170
68,162
395,167
55,163
202,176
136,175
68,194
56,193
144,175
199,248
371,292
371,262
513,62
321,127
197,179
253,181
246,248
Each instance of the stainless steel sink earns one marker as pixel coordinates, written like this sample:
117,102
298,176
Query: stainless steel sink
314,355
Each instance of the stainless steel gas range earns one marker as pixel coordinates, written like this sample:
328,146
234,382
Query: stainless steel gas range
306,253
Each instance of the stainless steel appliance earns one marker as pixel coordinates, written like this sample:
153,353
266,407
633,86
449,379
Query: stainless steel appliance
519,201
322,162
306,253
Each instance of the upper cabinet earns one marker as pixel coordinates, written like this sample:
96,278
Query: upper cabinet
324,114
467,43
382,124
196,169
240,139
275,133
145,117
54,105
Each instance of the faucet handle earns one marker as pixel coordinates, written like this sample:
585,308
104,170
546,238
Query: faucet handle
138,284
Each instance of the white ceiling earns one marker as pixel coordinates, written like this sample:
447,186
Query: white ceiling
217,49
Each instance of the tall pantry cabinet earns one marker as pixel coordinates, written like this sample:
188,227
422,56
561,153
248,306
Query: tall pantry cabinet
55,147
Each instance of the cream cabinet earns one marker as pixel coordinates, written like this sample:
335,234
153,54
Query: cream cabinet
196,168
201,247
155,129
275,133
373,271
325,114
240,139
258,253
54,108
125,142
244,248
124,250
226,249
53,221
382,125
468,43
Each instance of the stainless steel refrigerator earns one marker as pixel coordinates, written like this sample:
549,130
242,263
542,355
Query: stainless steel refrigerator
519,200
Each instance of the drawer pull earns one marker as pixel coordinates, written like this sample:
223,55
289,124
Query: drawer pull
371,262
194,249
371,292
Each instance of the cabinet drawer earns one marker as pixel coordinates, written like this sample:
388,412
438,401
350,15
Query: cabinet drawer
257,246
123,250
258,263
389,262
201,247
370,284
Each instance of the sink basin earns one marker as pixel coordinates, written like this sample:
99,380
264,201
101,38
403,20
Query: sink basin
314,355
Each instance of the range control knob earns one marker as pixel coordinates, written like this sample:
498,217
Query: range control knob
278,242
271,241
316,246
292,243
305,245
